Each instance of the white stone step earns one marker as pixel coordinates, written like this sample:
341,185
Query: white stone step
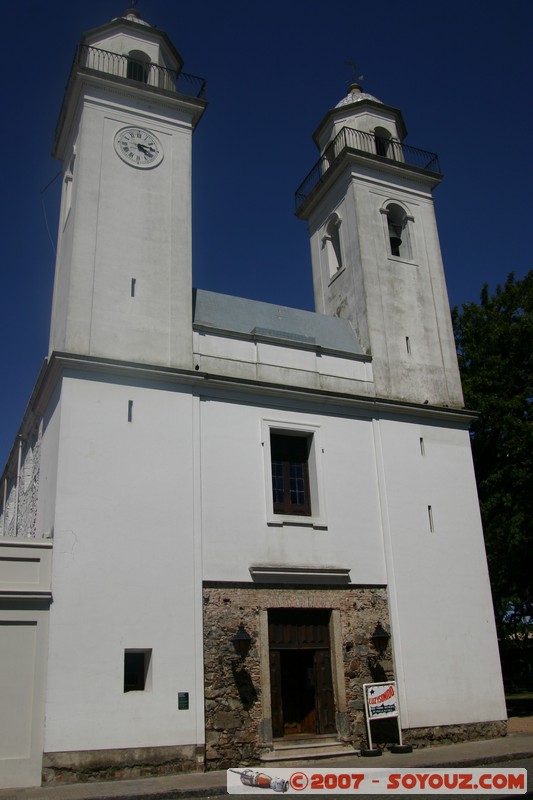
309,749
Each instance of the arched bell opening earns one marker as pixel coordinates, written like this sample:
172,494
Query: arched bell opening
383,142
331,241
398,231
138,66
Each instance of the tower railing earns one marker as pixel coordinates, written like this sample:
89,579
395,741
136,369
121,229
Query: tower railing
349,140
145,72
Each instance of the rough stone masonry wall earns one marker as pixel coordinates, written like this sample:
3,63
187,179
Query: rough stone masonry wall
236,730
19,518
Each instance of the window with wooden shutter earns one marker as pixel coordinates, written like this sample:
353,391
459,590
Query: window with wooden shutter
290,474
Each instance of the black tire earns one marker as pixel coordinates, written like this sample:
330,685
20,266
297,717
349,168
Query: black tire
371,753
401,748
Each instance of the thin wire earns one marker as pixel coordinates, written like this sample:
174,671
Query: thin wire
44,210
51,182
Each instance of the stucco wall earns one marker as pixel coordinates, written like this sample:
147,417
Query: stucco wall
445,644
125,569
285,365
238,530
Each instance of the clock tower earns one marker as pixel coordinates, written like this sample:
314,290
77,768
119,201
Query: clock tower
123,273
375,248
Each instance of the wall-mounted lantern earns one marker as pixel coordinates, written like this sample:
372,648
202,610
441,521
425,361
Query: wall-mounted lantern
242,641
380,638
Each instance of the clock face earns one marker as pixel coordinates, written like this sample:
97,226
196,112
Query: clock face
138,147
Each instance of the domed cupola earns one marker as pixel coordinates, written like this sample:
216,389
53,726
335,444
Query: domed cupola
132,15
362,112
355,95
141,44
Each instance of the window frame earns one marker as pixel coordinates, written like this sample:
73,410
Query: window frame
316,518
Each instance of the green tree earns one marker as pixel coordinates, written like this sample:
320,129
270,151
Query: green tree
494,342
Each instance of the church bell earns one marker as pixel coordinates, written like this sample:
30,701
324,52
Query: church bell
395,236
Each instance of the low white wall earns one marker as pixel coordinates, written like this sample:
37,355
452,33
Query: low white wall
25,568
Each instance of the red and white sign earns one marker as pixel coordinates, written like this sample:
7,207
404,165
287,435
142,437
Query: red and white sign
381,700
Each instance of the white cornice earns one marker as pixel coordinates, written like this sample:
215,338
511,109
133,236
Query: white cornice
296,574
202,381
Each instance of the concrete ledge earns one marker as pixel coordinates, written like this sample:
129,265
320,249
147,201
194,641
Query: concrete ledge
453,734
80,766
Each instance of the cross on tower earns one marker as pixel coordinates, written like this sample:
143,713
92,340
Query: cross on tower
354,67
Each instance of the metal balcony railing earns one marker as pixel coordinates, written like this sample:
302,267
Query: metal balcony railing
349,140
145,72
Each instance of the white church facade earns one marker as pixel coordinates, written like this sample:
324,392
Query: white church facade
215,507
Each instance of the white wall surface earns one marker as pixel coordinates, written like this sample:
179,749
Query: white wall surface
236,492
443,625
124,569
252,360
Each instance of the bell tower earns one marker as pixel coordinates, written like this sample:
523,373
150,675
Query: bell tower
375,250
123,285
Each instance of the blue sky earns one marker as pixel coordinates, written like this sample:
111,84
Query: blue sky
459,71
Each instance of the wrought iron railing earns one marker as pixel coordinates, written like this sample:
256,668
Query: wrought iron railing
122,66
350,140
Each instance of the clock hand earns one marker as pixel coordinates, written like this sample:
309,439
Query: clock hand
145,149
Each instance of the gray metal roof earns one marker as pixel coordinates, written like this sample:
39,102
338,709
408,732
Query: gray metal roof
223,313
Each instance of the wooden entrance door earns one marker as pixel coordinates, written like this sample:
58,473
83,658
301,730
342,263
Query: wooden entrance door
275,693
325,705
300,673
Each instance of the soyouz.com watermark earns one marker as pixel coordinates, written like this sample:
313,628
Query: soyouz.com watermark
247,780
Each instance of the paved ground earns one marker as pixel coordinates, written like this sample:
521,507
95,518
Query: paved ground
520,725
515,746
